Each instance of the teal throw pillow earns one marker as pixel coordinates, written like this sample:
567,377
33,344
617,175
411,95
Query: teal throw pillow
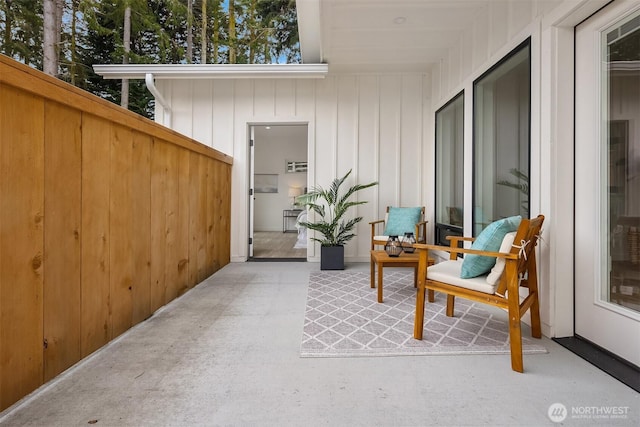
490,240
402,220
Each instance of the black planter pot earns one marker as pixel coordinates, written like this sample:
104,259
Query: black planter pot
331,257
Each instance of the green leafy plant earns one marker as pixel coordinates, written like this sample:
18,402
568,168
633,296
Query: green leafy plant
330,206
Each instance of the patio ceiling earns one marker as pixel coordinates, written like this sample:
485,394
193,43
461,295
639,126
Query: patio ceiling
382,35
351,35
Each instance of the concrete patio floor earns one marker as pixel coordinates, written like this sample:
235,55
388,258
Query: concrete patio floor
227,353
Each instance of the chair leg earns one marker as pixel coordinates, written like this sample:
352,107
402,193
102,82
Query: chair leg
451,302
515,330
418,322
536,327
373,272
532,282
515,338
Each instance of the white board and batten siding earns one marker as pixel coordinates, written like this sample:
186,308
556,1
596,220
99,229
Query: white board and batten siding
379,125
495,32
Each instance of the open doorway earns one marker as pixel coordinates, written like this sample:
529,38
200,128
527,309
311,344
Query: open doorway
279,174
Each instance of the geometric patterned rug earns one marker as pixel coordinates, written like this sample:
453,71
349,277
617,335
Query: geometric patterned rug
344,319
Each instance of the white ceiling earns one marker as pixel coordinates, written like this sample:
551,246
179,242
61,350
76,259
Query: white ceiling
382,34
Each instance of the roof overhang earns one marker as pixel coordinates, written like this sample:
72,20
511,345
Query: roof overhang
212,71
309,31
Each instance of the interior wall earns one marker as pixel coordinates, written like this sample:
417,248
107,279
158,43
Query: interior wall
272,148
377,125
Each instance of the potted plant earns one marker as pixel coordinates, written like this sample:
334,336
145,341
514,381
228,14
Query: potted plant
330,206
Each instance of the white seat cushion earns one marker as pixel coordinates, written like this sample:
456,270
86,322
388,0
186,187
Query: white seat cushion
449,272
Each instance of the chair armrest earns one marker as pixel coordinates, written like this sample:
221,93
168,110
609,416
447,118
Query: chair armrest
454,250
421,231
460,238
454,242
373,230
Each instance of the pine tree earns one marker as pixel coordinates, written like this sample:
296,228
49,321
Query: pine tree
88,32
52,18
280,16
232,41
21,28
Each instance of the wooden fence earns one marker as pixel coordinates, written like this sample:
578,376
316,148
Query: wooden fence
104,217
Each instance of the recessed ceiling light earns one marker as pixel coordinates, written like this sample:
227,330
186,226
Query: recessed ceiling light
399,20
267,127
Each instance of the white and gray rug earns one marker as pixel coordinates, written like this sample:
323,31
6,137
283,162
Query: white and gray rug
344,319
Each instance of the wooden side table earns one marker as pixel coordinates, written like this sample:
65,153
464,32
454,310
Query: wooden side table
383,260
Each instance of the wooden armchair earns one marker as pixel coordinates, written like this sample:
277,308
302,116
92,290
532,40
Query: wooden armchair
395,216
519,271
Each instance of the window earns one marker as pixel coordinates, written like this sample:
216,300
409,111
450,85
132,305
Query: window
620,162
501,139
449,169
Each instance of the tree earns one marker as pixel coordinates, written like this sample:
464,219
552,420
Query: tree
217,32
67,37
22,31
126,42
281,17
252,23
52,11
232,32
105,37
203,50
190,31
73,72
162,25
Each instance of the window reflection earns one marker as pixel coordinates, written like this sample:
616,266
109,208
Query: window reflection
502,99
621,86
449,169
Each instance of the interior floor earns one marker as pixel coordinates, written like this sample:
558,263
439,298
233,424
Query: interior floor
276,244
228,353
